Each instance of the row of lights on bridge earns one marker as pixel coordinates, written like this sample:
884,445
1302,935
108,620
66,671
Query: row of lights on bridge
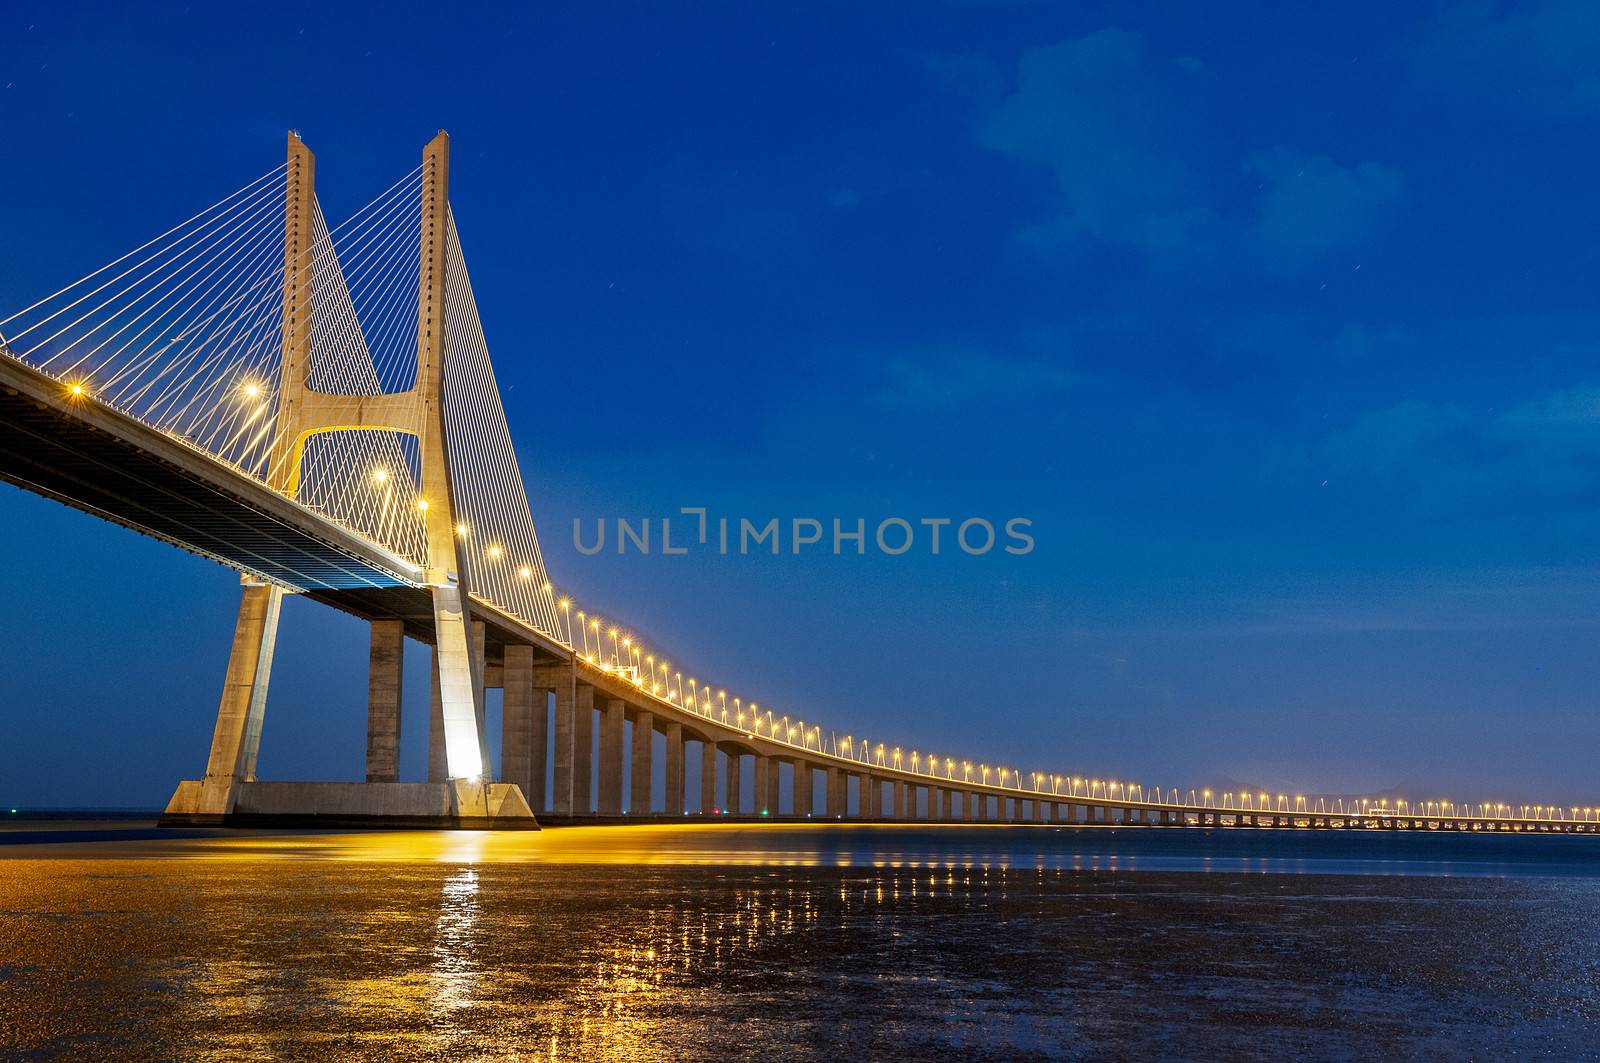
656,686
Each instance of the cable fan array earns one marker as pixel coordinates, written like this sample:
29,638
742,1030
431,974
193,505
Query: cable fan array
504,565
184,334
364,289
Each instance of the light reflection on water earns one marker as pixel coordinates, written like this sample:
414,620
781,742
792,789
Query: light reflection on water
889,847
455,971
791,943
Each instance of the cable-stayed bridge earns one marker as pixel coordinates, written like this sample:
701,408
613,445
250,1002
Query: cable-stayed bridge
316,408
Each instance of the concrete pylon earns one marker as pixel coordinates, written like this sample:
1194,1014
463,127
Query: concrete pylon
438,770
418,412
236,740
471,797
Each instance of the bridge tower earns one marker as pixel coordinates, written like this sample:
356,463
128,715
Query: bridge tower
469,794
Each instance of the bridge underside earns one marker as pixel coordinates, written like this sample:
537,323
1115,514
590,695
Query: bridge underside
99,460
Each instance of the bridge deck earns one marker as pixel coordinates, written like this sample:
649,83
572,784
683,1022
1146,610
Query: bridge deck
100,460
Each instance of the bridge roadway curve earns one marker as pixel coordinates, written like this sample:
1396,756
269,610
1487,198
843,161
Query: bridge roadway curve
889,794
100,460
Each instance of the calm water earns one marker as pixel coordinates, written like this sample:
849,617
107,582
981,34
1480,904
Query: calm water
836,942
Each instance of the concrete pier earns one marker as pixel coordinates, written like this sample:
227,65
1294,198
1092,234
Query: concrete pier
437,770
451,805
385,660
804,790
642,772
583,751
610,782
517,723
837,793
765,778
563,680
708,777
236,741
675,771
732,782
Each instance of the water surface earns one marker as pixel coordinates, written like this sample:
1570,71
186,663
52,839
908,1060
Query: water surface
840,942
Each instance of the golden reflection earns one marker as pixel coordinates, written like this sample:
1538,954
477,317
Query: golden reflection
453,975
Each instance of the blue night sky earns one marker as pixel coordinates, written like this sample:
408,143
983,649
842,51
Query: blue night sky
1280,329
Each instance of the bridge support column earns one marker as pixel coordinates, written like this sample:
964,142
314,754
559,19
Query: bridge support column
611,731
937,809
583,752
708,777
384,674
437,772
675,797
731,785
517,722
236,740
766,770
538,744
838,794
804,803
643,772
458,654
480,634
900,807
563,680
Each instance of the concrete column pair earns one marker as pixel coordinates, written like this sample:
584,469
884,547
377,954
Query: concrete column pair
574,717
766,774
612,725
871,800
735,803
236,741
642,783
838,794
523,725
385,671
902,809
675,796
708,778
804,803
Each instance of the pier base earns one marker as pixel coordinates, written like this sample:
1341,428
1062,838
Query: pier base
459,804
